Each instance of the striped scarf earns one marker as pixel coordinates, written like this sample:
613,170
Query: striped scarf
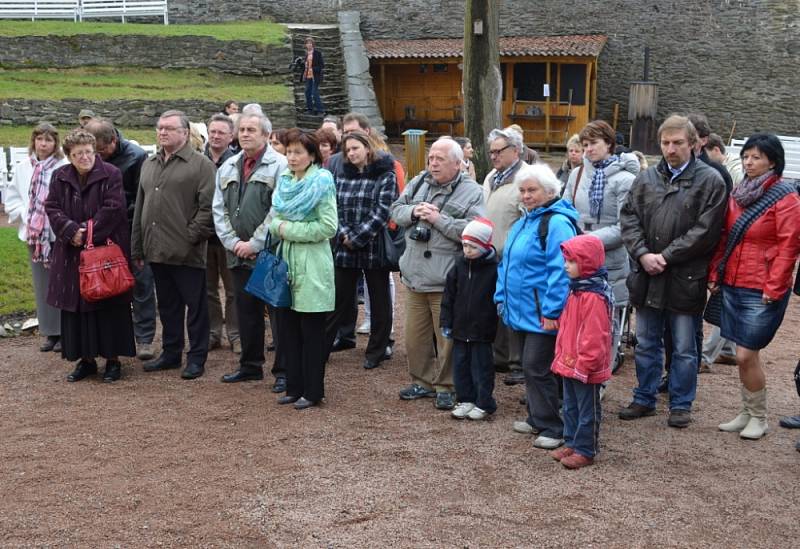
39,231
596,283
599,185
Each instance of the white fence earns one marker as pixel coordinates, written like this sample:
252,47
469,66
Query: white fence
77,10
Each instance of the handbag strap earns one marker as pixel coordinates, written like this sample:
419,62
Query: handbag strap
577,182
89,235
748,217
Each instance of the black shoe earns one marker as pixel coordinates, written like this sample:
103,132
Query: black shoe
388,353
790,422
635,411
193,371
514,377
303,403
83,369
371,365
57,346
288,399
342,345
113,371
161,363
679,418
280,385
243,375
663,387
444,401
414,391
50,344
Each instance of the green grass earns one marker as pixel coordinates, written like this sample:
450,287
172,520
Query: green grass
16,284
105,83
256,31
19,136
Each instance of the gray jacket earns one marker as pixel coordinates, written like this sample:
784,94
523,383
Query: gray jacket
424,265
620,176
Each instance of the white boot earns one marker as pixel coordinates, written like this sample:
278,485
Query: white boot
757,426
739,422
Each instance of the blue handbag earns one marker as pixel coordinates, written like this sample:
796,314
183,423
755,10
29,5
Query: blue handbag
269,281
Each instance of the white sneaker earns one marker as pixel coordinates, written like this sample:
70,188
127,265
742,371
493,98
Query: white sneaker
523,427
364,328
462,410
547,443
477,414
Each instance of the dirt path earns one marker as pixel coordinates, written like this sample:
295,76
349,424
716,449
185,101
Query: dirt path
156,461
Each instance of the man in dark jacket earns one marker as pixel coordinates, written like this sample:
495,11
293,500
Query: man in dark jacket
128,158
671,223
312,76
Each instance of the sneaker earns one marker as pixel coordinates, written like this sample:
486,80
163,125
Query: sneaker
576,461
547,443
145,351
561,453
524,427
635,410
704,368
462,410
477,414
679,418
364,328
414,391
444,401
790,422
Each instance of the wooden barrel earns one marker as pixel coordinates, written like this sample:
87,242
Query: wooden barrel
415,152
643,100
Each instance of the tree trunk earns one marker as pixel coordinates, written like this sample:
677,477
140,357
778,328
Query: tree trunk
482,84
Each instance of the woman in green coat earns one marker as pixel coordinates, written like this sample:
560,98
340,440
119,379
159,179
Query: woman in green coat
305,219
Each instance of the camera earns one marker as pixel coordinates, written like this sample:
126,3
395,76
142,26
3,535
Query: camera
420,234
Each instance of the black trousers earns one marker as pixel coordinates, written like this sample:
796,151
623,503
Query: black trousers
250,314
346,281
179,290
301,343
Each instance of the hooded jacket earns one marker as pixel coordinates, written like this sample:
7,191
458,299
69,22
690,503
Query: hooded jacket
531,281
583,345
467,305
620,176
128,159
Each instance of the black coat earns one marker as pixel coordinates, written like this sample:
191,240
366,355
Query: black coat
128,158
468,302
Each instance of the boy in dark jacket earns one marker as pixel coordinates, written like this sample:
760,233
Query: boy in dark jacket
468,317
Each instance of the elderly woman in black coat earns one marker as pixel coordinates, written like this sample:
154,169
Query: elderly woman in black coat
88,189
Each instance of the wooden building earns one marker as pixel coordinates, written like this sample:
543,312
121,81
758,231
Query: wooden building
549,84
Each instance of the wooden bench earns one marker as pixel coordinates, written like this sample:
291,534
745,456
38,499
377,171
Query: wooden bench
39,9
123,9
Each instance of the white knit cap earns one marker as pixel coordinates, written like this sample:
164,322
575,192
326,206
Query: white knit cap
478,232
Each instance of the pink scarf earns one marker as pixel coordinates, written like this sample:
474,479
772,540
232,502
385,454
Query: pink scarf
38,224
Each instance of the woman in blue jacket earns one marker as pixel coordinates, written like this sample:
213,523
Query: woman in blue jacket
532,289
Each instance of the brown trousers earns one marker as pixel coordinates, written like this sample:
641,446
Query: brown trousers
429,354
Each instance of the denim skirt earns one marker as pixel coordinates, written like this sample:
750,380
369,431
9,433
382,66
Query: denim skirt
746,320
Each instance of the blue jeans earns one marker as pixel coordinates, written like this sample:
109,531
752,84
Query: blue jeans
313,100
650,326
473,374
582,416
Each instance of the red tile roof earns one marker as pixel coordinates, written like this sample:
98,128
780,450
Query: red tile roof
589,45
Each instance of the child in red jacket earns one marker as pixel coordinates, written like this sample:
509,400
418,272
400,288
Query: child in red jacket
583,347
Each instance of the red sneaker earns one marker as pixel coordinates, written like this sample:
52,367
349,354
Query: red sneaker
561,453
576,461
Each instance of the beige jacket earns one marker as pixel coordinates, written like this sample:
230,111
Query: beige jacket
503,207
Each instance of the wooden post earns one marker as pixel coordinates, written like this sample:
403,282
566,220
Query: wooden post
547,109
481,84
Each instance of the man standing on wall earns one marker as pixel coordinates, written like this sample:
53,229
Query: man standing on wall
312,76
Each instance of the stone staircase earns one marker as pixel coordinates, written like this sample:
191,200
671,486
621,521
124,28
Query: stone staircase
333,90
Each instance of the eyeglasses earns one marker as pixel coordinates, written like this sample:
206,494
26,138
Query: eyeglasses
496,152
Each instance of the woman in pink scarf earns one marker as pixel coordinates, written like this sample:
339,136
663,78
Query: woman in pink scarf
24,203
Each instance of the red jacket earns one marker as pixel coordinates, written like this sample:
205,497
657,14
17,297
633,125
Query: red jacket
764,259
583,345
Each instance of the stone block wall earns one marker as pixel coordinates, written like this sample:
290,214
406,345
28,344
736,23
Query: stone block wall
732,59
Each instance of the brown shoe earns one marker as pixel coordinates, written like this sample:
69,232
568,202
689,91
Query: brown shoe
576,461
561,453
635,410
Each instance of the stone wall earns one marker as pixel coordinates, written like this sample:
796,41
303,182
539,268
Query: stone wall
128,113
732,59
185,52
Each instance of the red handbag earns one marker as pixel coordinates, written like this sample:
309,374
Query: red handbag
104,270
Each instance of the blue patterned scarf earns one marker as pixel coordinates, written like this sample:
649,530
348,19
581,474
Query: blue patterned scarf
599,185
596,283
294,198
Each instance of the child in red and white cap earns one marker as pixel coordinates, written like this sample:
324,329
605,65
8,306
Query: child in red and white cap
468,316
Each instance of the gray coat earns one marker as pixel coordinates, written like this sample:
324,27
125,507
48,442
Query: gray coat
620,176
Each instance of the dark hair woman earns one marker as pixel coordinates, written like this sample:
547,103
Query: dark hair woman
305,218
24,200
277,139
86,190
327,144
753,267
365,190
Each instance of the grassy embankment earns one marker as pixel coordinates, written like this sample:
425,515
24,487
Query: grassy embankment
16,285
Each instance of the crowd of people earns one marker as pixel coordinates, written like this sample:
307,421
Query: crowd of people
529,272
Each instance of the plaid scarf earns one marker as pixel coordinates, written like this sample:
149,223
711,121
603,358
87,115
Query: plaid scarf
598,185
750,190
500,177
39,231
596,283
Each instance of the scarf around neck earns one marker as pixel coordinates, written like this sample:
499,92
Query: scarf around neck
295,198
39,231
750,190
598,186
596,283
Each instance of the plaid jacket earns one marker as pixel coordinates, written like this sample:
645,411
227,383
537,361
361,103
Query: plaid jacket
363,201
